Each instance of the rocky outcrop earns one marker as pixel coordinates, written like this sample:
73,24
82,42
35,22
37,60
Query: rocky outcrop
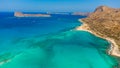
20,14
105,22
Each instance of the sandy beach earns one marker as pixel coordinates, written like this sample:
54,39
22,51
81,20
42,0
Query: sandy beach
114,50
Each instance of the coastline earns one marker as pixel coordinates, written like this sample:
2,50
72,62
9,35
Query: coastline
114,50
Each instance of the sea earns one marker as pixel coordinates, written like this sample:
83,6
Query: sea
50,42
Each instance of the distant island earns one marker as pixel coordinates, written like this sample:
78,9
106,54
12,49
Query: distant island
81,13
71,13
104,22
61,13
20,14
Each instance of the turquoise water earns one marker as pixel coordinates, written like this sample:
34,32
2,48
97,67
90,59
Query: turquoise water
59,47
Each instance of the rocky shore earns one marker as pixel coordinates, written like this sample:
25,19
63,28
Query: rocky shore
104,22
114,49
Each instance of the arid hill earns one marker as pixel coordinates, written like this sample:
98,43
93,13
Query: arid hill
105,22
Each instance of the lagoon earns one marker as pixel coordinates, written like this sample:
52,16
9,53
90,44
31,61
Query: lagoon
51,43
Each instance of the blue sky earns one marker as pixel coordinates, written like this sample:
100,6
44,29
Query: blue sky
55,5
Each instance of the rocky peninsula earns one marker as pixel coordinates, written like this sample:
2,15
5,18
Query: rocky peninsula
20,14
104,22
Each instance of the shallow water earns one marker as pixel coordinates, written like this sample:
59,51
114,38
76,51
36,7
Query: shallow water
59,47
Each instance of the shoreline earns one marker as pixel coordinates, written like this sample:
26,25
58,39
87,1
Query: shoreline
113,50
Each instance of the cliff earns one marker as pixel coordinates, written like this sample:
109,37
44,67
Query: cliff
20,14
105,23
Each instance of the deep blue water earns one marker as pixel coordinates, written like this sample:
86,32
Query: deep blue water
50,43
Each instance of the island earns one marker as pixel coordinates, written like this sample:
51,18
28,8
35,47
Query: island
104,22
20,14
81,13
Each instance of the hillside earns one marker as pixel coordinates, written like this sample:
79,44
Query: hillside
105,22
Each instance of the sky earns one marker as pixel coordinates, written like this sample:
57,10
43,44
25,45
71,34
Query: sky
55,5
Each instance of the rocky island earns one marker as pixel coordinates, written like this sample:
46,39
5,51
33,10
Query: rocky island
20,14
104,22
81,13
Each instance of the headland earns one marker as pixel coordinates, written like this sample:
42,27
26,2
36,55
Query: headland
104,22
